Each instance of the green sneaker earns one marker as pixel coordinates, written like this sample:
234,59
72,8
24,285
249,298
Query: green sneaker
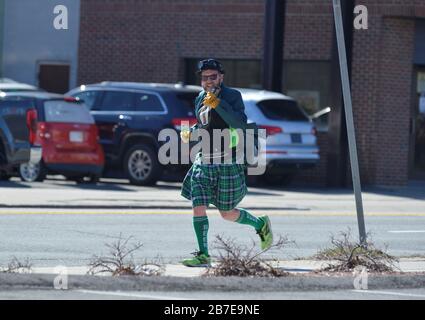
199,260
265,233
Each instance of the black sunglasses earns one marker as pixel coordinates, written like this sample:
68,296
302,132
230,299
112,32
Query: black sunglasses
211,77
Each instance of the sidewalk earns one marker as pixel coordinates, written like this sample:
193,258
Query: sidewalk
296,267
110,198
182,279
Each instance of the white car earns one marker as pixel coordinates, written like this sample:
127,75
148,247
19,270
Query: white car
291,142
8,85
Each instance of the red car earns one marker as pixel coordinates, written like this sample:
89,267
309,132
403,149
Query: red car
68,136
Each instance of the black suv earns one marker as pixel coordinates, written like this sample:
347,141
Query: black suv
130,116
18,126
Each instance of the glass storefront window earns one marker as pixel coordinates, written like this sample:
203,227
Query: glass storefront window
421,82
308,82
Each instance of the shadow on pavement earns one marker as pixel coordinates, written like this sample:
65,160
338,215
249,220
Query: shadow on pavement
414,189
13,184
102,186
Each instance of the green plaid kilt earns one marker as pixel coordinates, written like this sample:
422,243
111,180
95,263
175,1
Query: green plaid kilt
222,185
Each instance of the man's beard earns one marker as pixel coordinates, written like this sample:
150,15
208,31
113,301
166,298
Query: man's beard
212,88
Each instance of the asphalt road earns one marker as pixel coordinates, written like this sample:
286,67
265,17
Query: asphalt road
72,238
60,223
395,294
36,222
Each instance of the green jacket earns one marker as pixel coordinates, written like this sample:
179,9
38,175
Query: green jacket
231,108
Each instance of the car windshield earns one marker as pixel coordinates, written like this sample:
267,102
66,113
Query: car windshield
67,112
188,100
279,109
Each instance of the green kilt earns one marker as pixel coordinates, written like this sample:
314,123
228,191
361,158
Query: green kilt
222,185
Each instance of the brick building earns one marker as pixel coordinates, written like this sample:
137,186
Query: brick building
160,41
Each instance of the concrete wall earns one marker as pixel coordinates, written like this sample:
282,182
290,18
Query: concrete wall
30,38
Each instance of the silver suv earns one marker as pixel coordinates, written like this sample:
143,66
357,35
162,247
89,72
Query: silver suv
291,134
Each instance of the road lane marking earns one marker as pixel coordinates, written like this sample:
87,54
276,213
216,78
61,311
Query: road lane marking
407,231
130,295
212,212
388,293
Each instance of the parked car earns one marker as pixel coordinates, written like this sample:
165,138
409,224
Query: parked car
130,116
8,85
68,136
291,134
18,125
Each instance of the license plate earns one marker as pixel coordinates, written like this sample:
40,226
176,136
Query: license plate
75,136
296,138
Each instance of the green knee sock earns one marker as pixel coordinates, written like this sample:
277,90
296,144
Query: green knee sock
201,229
246,218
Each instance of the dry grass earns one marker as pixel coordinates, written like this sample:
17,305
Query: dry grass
239,260
120,261
349,254
17,266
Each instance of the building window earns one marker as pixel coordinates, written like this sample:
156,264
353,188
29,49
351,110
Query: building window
309,83
421,82
240,73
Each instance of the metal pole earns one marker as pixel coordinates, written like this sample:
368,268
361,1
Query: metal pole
274,21
349,118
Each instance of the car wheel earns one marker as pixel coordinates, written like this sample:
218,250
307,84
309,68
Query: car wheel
30,172
141,165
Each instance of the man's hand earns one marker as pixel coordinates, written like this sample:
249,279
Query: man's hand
211,100
185,136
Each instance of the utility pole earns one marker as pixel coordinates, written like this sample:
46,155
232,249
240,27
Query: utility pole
346,91
274,21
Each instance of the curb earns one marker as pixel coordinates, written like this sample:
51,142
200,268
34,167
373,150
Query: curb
313,282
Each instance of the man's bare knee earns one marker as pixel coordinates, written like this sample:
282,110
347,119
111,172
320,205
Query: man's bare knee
200,211
231,215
